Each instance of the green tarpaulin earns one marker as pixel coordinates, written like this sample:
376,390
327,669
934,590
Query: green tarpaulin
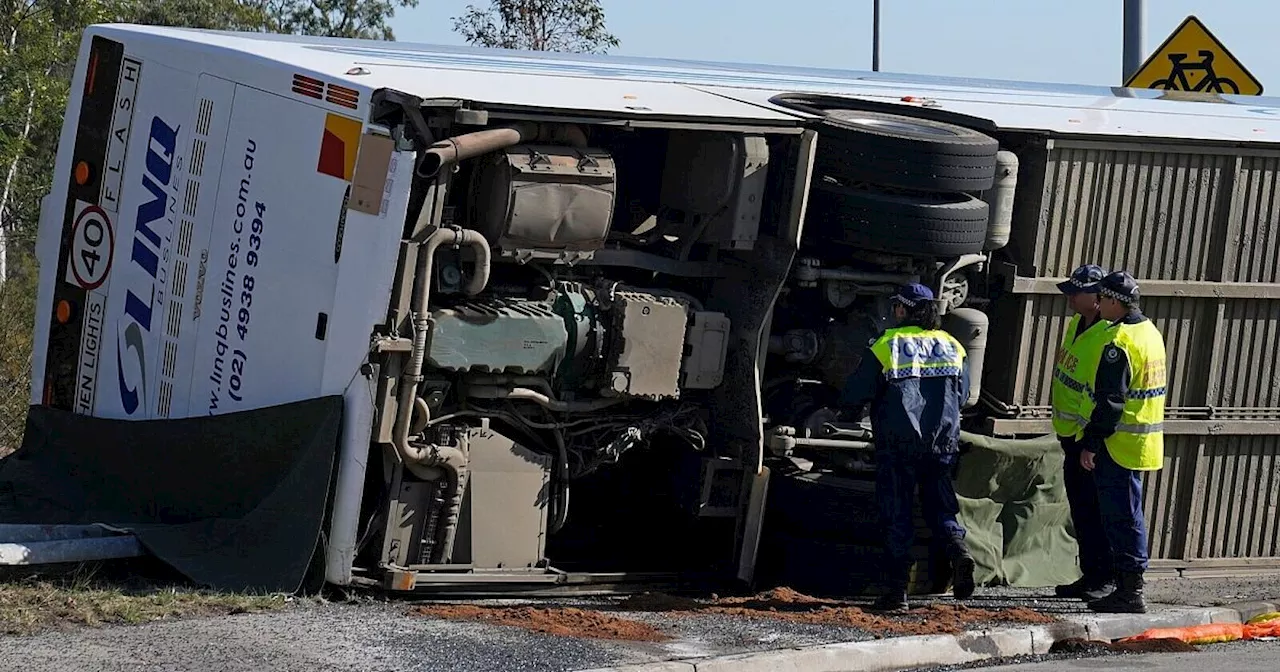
1014,505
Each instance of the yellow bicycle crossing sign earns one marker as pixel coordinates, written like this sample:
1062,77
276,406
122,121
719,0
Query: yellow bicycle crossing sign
1192,59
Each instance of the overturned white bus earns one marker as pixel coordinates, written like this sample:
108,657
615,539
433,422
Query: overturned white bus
476,320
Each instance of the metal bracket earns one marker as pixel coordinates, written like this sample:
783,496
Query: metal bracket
384,345
411,106
399,579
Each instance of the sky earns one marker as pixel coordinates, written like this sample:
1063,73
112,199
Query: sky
1060,41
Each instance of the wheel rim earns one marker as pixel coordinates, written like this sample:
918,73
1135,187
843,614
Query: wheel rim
903,125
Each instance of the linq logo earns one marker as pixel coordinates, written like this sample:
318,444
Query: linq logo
139,305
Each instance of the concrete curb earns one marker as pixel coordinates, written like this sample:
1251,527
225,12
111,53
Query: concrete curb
900,653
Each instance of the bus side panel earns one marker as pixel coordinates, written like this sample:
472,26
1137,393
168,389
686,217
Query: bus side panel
268,285
203,152
116,217
146,174
368,253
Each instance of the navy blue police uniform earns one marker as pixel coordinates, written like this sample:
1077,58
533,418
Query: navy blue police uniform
1073,374
916,380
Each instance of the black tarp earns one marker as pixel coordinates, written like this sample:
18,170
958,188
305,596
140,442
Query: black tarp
235,502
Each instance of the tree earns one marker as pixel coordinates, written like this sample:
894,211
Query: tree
365,19
37,56
246,15
537,25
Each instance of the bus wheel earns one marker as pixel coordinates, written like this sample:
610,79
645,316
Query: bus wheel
904,152
919,224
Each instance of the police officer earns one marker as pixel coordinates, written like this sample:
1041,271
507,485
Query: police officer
1125,434
916,377
1073,374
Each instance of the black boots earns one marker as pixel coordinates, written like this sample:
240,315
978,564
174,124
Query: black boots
962,567
1127,599
962,581
1086,588
895,599
896,577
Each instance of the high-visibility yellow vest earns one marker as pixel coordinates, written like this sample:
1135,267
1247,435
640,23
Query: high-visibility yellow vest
1073,374
912,352
1138,442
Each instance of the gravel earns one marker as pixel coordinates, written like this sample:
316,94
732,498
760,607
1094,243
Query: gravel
375,638
379,636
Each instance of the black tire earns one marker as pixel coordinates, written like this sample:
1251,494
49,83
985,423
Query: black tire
931,225
899,151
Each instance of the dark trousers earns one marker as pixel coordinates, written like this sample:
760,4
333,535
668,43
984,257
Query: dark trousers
1086,516
898,473
1120,501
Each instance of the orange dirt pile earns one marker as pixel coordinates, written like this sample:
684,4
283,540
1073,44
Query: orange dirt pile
788,605
780,604
564,622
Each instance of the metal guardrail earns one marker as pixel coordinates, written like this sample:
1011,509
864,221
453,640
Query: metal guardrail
23,545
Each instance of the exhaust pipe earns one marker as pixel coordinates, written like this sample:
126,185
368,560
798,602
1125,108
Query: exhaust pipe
470,145
450,151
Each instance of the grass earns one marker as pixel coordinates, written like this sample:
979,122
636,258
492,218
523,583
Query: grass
32,605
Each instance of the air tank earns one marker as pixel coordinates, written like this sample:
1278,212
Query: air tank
969,326
999,200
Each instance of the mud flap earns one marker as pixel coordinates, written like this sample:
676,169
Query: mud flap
234,502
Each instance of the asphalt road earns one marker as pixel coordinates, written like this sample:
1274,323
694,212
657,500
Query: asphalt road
1233,657
381,637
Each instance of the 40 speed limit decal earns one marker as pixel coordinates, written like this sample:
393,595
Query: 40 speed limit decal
93,240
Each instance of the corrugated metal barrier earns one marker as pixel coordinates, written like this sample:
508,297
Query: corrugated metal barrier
1200,229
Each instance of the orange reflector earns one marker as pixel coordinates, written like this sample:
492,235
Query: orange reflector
64,311
82,173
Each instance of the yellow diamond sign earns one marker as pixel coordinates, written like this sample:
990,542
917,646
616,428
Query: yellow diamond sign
1192,59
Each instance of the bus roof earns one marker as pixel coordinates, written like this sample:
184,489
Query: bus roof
633,87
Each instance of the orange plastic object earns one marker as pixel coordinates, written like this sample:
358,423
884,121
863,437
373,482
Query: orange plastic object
1266,629
1195,634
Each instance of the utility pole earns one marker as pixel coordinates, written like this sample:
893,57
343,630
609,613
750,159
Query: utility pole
875,35
1134,50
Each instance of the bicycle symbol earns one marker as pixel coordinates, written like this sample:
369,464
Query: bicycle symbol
1177,79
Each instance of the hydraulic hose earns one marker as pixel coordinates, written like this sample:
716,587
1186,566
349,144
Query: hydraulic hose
526,394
